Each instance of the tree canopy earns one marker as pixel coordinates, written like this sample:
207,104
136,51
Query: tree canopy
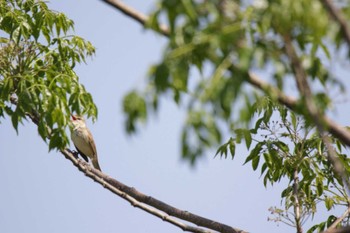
253,72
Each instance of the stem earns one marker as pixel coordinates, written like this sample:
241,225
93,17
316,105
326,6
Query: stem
297,208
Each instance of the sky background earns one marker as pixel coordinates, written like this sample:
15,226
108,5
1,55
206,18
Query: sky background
42,192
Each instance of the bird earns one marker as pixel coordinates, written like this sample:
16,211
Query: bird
83,140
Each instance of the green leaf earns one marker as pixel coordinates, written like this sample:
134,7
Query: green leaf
255,162
282,146
255,152
15,119
232,147
329,202
247,138
319,186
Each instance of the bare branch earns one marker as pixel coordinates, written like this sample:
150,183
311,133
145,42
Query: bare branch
103,179
339,230
170,210
338,17
185,215
143,201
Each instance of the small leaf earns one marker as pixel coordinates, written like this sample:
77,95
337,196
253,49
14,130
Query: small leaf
14,119
248,138
255,152
232,147
329,202
255,162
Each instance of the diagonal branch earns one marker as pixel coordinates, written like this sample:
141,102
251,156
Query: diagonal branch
104,180
334,128
302,83
137,199
140,200
132,13
338,220
316,115
338,230
148,203
338,17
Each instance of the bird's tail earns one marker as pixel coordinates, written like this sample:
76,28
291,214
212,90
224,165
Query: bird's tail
96,164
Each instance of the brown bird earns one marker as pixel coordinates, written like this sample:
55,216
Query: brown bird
83,141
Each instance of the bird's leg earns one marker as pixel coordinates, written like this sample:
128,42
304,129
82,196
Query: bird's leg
74,152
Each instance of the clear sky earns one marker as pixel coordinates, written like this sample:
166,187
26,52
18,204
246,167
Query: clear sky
43,192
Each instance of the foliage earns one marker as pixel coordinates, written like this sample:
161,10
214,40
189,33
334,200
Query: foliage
213,46
37,58
222,41
287,148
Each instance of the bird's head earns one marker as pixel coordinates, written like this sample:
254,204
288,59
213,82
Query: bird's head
78,121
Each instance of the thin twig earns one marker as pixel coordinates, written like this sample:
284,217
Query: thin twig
338,17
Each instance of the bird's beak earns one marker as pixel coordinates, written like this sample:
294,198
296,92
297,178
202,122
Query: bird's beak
73,117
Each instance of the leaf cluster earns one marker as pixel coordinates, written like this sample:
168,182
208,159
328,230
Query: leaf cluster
289,149
37,58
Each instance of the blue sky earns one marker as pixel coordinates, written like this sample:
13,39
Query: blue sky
42,192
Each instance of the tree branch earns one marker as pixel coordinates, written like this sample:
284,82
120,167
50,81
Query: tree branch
140,200
317,116
338,17
132,13
335,129
339,230
338,220
144,202
104,180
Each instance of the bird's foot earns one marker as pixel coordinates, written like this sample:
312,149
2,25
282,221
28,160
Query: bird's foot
75,153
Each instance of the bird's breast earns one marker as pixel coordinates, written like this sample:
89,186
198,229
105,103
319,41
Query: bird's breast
81,141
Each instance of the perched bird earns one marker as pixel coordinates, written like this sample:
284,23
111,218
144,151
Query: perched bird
83,141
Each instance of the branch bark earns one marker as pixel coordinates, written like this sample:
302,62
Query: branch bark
338,220
132,13
339,230
110,184
145,202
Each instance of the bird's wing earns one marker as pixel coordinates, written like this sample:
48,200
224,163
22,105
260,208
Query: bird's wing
92,144
94,160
